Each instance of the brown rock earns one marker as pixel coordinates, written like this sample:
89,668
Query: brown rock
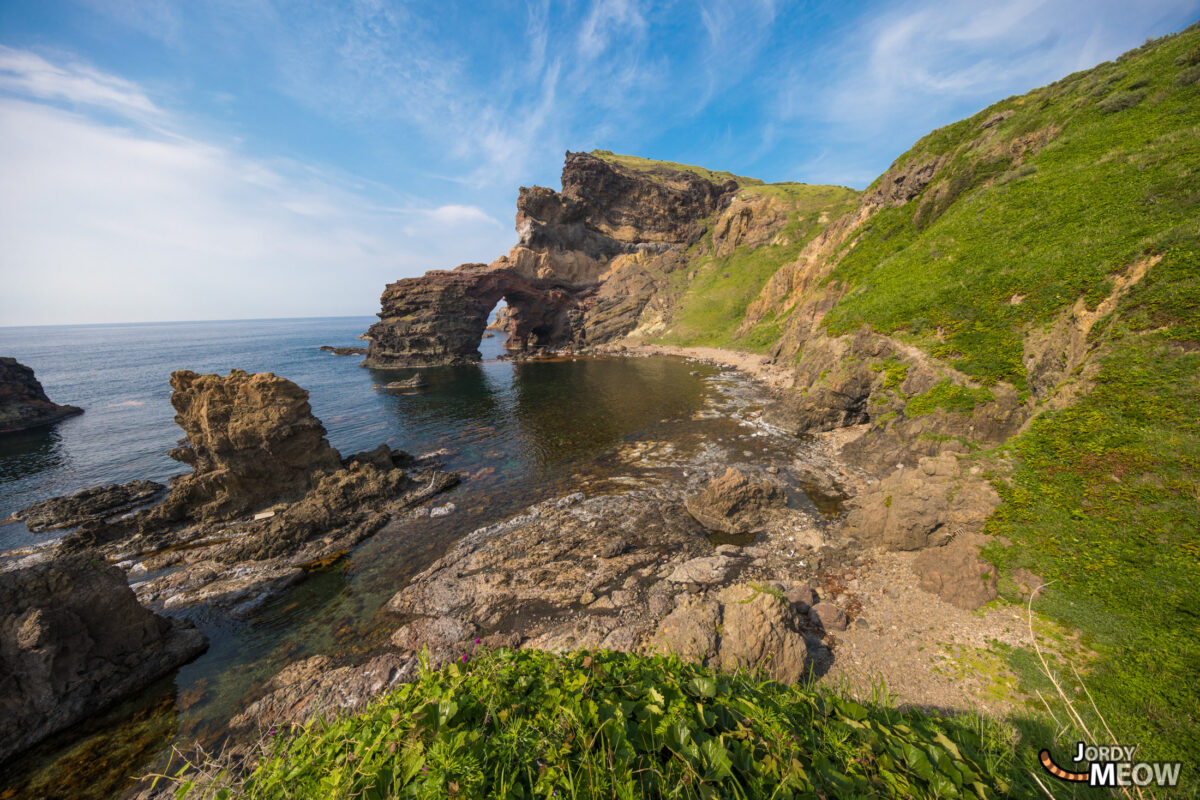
252,441
956,574
828,616
690,631
733,504
758,631
23,402
73,641
94,503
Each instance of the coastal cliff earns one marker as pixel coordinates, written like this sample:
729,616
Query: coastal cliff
23,402
612,253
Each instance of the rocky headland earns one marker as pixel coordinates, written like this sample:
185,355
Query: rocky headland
23,402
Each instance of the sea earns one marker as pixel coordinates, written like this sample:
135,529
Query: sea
519,433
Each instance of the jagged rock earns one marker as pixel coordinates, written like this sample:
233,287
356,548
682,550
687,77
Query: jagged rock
555,282
758,631
94,503
432,632
704,570
252,441
733,504
344,351
74,640
23,402
310,688
415,382
955,572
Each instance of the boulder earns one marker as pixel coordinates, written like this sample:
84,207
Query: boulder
704,570
758,630
733,503
252,441
690,631
73,641
956,574
97,502
23,402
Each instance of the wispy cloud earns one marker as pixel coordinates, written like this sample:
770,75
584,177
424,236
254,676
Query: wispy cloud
23,72
112,220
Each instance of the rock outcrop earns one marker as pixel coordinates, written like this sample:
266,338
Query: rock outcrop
268,497
23,402
94,503
733,504
600,229
74,640
252,441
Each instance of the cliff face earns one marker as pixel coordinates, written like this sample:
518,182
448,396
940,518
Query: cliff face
74,640
23,402
608,219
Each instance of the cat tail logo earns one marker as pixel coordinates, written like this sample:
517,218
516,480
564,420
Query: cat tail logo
1113,766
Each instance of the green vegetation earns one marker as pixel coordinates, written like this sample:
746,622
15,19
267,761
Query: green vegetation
713,304
665,168
894,372
949,396
999,242
607,725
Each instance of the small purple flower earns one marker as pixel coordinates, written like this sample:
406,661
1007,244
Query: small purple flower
476,641
464,658
271,732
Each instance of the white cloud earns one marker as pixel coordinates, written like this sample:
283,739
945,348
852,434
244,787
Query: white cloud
23,72
124,222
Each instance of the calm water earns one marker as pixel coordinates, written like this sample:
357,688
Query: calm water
521,432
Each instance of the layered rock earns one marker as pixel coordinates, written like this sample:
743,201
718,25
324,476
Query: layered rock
255,446
252,440
600,229
93,503
74,640
23,402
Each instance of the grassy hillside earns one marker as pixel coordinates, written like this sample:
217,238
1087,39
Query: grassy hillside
1008,235
712,304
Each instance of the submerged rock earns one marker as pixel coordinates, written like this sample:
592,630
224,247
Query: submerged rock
733,504
23,402
344,351
74,640
415,382
97,502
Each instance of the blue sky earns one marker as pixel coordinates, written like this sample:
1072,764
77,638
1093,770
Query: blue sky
226,160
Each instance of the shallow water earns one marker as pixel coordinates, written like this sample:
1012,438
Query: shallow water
521,433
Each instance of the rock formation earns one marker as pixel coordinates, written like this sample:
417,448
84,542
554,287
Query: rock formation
733,504
607,218
23,402
74,640
255,446
94,503
252,440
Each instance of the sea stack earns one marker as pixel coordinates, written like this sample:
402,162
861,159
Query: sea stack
23,402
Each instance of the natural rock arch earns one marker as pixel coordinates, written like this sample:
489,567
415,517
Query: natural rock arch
440,317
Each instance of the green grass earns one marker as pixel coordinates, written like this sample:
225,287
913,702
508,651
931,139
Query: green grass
607,725
1118,182
665,168
948,396
713,305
